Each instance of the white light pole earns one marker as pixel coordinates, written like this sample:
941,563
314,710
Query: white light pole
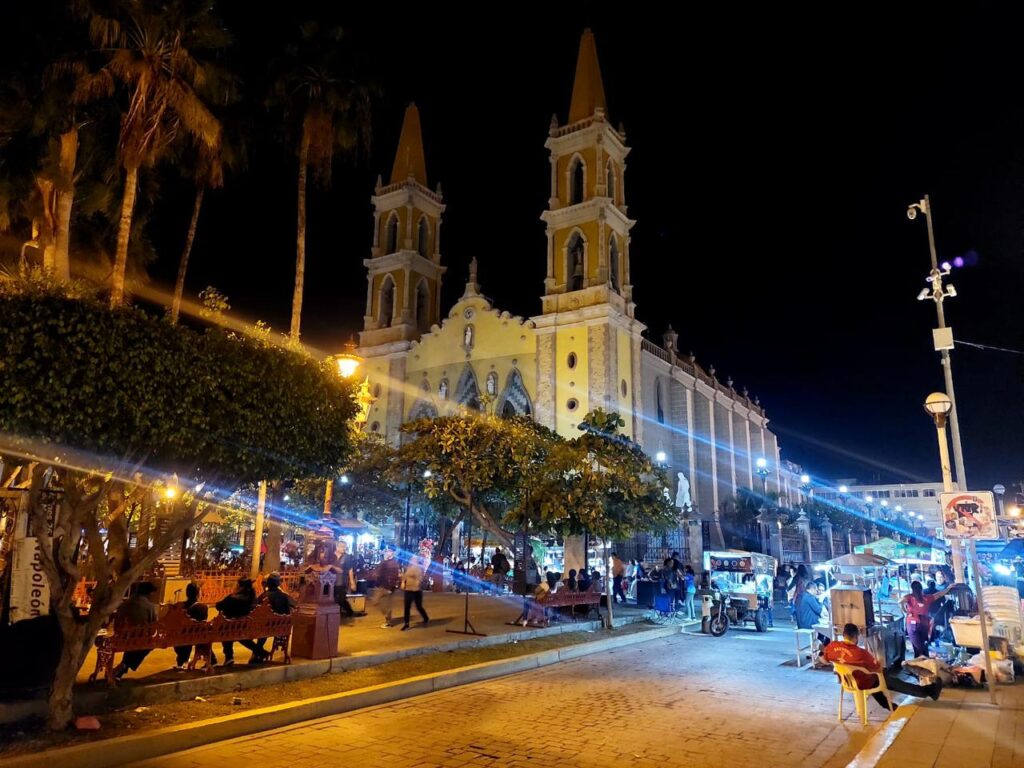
938,405
762,470
937,294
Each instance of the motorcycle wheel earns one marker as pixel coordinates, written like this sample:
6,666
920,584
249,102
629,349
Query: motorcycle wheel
761,620
718,625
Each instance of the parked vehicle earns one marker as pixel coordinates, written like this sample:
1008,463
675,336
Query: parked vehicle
742,585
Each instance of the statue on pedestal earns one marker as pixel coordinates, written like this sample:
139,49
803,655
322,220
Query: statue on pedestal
683,500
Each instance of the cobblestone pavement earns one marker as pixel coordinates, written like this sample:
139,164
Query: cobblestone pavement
690,699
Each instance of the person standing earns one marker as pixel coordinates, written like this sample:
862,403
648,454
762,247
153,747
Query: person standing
690,590
197,612
137,609
346,580
388,579
618,573
412,584
500,565
917,606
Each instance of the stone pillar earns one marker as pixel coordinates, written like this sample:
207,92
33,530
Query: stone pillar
775,536
696,548
826,529
804,526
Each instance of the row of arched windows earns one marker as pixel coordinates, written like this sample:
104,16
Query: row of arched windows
386,304
514,399
578,178
422,236
576,262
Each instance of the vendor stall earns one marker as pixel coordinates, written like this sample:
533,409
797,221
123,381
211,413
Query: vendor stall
857,600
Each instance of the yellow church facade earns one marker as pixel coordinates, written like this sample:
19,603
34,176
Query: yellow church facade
584,350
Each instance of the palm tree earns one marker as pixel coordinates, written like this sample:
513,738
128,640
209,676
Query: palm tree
206,167
328,110
150,52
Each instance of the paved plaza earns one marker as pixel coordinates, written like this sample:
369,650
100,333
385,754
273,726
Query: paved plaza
689,699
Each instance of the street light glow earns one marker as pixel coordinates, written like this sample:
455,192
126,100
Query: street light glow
843,489
347,365
1014,511
660,457
170,493
805,479
762,463
899,508
344,479
427,473
869,498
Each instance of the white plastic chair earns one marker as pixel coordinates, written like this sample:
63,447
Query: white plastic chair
848,683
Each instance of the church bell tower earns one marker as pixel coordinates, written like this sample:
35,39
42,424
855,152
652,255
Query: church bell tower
588,340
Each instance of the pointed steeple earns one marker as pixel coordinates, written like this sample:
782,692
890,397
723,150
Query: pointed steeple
588,89
409,160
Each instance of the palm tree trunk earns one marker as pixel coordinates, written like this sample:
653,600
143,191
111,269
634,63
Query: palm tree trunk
300,240
131,183
179,285
65,201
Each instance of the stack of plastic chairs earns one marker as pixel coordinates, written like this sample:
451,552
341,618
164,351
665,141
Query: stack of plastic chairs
1004,606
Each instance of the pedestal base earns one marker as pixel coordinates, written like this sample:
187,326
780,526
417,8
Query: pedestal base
315,631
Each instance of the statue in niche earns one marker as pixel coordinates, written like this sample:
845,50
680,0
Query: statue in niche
683,500
443,389
467,337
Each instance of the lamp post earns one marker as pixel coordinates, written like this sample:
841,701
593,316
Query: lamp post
762,471
939,405
938,294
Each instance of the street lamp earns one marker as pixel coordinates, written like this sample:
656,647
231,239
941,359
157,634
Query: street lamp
660,457
943,337
762,471
939,406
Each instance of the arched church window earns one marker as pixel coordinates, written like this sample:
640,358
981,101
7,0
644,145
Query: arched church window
611,181
387,302
613,262
575,253
658,402
391,241
423,238
423,307
576,172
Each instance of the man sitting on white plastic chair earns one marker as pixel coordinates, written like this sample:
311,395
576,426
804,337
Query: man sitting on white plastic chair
846,651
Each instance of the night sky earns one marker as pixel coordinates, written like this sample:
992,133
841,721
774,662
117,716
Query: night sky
773,160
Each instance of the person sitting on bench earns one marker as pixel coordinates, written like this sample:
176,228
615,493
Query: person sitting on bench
846,651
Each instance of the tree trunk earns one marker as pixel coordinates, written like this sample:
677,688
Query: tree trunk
179,285
65,202
131,182
300,240
62,689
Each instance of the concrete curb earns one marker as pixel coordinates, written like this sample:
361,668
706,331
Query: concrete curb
188,688
145,746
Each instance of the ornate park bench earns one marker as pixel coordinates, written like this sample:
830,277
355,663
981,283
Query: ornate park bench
175,628
541,611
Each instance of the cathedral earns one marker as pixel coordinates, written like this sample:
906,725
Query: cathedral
584,349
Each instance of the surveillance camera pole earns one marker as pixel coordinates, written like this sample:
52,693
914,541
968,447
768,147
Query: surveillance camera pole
938,295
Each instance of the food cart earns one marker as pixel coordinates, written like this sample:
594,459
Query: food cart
739,599
881,626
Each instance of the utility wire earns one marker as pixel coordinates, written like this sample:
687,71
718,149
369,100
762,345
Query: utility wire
986,346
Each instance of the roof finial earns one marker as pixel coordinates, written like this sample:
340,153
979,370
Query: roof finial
588,89
472,270
409,160
472,289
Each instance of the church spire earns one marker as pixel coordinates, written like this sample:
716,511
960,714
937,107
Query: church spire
409,160
588,89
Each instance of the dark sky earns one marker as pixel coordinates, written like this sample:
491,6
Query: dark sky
773,160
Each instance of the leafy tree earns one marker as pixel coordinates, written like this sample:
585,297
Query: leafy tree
151,50
326,111
108,406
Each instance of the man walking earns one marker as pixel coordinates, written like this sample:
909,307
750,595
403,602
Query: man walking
388,579
412,583
346,580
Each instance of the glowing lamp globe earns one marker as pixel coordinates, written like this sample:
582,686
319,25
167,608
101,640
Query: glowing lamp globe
938,404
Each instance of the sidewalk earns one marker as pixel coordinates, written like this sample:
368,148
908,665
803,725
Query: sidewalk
960,730
364,636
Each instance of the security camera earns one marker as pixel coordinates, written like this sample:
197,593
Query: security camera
912,211
924,294
950,290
